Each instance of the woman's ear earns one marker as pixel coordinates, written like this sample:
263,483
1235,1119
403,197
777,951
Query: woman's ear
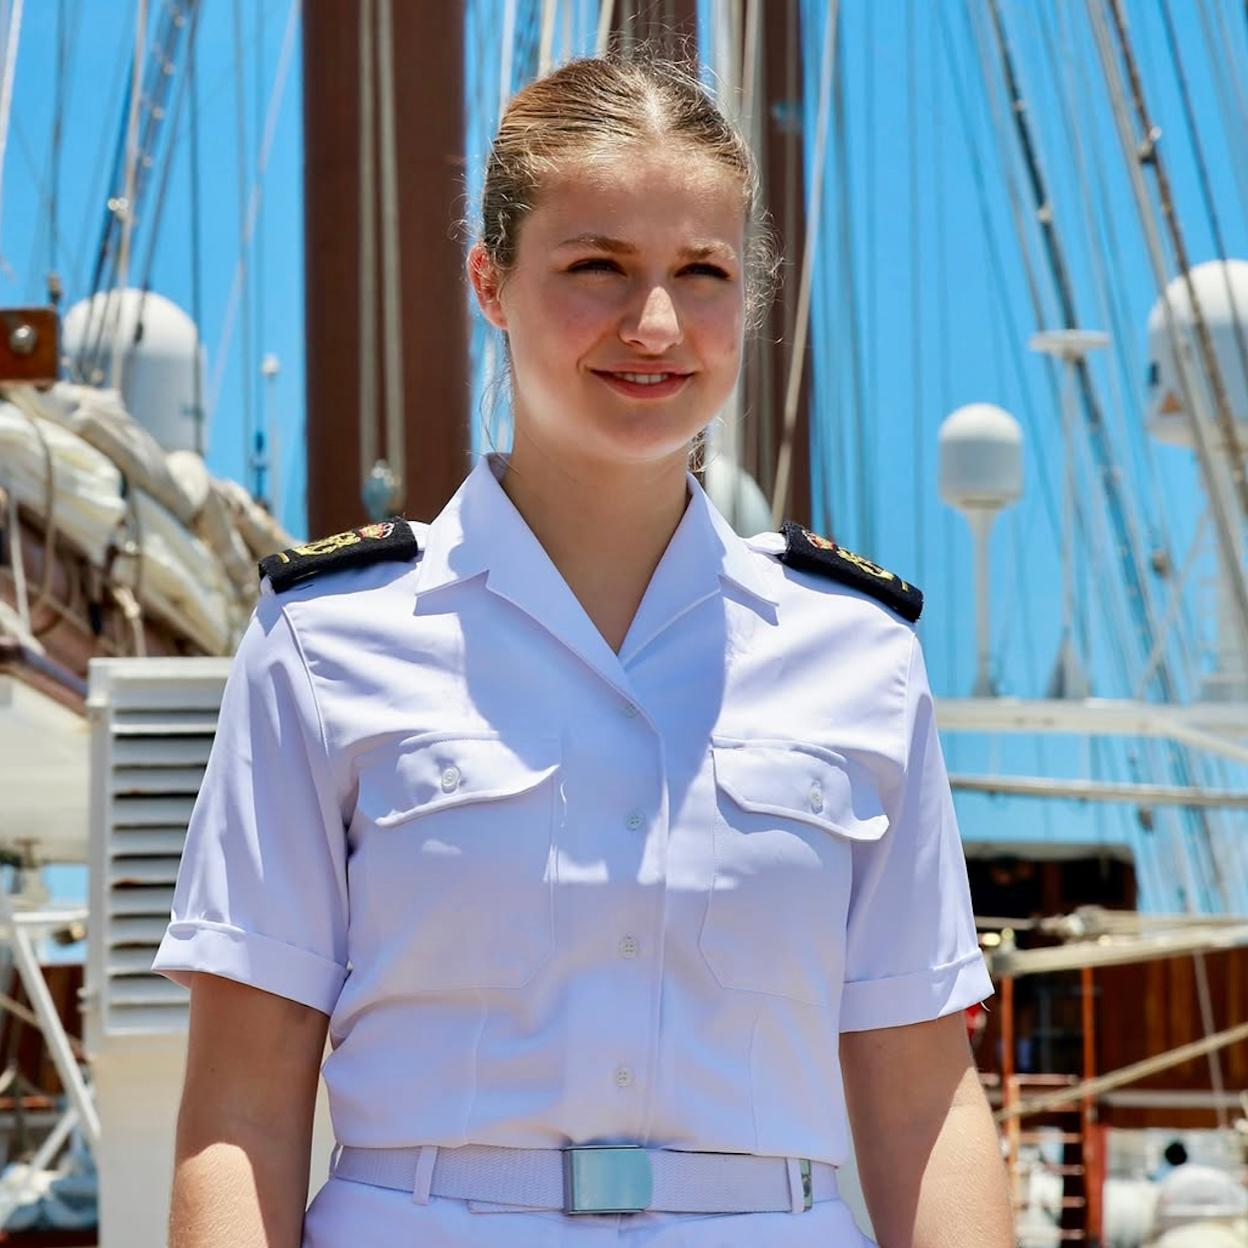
484,277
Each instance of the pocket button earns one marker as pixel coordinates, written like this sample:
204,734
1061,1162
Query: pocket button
450,779
816,797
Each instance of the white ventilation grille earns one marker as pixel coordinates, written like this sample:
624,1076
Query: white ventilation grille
152,724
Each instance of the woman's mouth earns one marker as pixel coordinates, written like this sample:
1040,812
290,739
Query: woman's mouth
644,385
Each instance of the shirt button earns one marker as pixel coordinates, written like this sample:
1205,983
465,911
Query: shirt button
816,797
450,779
628,947
634,821
629,709
623,1077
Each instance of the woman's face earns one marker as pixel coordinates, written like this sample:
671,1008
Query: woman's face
627,271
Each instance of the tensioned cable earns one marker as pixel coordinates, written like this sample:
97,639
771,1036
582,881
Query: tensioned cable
1204,343
1232,126
606,14
1206,190
918,459
1005,303
802,320
391,258
197,243
845,204
367,380
1130,561
871,338
1006,310
1101,285
506,43
240,166
145,114
1108,215
257,380
158,214
58,130
276,94
1112,292
103,148
132,160
12,38
1131,155
546,54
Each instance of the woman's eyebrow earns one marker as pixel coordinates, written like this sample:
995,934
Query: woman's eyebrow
619,246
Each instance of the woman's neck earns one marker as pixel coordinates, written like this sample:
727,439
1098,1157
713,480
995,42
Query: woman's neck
604,526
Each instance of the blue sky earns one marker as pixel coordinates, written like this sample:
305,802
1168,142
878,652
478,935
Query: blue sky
941,295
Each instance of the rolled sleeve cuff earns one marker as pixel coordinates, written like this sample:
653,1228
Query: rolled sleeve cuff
915,998
261,961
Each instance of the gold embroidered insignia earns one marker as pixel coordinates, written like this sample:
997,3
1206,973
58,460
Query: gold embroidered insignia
389,539
812,553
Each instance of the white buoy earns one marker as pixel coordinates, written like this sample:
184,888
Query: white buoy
1222,293
157,372
981,472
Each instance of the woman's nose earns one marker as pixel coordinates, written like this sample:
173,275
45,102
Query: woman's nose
657,326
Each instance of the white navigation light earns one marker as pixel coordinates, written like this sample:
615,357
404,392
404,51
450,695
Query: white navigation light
981,472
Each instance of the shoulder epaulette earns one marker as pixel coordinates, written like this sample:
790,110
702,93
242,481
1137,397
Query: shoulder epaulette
391,539
811,553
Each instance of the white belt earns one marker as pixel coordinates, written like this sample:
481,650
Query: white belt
595,1178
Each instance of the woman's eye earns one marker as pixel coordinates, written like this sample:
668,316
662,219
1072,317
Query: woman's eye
597,265
712,269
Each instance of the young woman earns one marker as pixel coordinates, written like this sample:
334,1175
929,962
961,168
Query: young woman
579,820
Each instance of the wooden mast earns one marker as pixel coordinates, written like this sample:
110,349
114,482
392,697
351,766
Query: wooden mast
427,51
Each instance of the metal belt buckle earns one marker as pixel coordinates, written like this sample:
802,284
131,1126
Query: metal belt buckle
606,1178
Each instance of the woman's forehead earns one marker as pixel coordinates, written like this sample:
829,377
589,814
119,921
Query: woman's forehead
628,202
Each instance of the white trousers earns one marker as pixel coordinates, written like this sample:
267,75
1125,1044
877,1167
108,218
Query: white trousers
346,1214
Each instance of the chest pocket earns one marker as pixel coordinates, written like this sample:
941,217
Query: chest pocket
452,883
786,819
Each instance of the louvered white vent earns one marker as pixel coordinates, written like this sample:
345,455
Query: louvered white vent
152,723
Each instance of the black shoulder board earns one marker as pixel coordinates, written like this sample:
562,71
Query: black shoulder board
391,539
812,553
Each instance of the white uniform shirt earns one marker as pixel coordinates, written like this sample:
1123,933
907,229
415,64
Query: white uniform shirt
549,894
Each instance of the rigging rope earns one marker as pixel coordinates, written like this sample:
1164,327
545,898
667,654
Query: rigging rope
918,489
1206,190
813,203
391,259
11,40
132,161
240,165
276,94
197,250
367,380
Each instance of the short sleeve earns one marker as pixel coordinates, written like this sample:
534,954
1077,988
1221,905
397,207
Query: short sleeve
912,953
261,894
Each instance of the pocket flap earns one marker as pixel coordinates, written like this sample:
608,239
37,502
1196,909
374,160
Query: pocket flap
799,781
434,771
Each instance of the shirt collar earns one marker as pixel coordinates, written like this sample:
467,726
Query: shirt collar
481,531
